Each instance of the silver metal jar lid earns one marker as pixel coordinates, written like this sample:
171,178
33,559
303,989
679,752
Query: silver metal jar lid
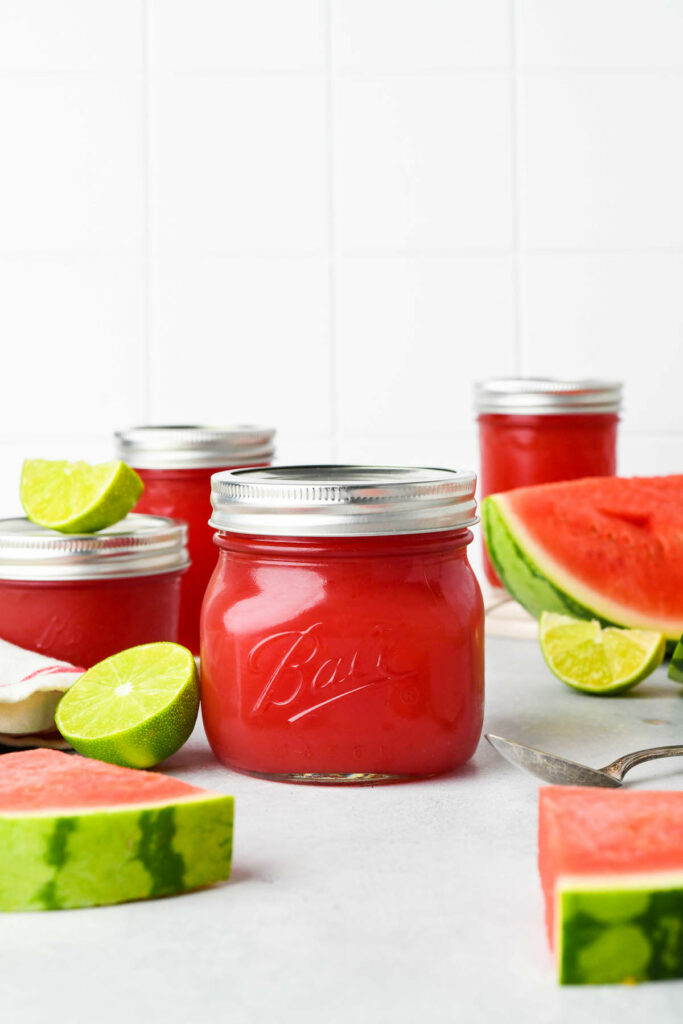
342,501
536,396
194,447
136,546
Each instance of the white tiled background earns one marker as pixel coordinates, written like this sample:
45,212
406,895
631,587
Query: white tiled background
333,216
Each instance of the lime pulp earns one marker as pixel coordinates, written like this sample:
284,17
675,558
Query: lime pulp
76,497
595,660
135,708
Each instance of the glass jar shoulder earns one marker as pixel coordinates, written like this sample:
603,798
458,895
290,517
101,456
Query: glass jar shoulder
428,586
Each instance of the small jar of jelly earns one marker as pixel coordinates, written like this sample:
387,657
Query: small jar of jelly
82,597
176,465
539,430
342,630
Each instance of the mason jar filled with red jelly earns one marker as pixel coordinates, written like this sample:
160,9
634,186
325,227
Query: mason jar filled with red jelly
342,630
81,597
176,465
539,430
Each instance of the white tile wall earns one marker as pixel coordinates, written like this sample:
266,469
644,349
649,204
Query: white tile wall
71,171
73,35
73,329
254,325
334,215
601,160
420,35
460,307
423,162
237,35
602,34
615,313
238,163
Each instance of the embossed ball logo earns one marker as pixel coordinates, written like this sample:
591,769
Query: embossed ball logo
302,673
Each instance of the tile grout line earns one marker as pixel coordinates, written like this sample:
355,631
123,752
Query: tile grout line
334,425
146,239
518,273
182,253
463,434
375,72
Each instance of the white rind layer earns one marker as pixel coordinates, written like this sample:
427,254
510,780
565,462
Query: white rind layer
579,591
620,880
65,812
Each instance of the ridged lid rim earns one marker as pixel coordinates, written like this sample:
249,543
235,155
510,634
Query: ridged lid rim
342,500
547,395
139,545
194,446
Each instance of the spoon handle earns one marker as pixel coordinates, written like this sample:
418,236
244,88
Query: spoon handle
617,769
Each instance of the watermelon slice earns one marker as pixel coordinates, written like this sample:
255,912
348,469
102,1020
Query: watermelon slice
607,548
611,865
77,833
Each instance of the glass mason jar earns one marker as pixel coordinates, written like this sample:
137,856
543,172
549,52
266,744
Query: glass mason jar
343,629
82,597
540,430
176,465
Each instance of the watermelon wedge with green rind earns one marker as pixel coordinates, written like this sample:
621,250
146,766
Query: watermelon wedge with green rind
611,865
606,548
75,832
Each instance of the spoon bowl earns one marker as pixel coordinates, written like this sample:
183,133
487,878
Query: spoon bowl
560,771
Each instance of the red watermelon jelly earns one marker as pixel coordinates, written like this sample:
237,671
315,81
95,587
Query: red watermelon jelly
342,631
82,597
176,465
540,430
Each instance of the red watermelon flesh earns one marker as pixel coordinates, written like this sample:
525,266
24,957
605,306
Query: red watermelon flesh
612,545
39,780
587,831
75,832
611,866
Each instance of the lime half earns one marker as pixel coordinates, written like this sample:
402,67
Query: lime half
75,497
133,709
596,660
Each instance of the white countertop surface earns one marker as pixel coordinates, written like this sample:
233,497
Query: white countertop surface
403,903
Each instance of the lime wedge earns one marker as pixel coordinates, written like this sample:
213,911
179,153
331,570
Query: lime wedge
676,664
75,497
596,660
133,709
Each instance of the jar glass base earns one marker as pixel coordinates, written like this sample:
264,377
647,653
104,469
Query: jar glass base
331,778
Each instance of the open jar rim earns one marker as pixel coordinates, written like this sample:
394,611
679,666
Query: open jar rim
139,545
342,500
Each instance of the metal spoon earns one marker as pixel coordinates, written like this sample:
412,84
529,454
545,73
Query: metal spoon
562,772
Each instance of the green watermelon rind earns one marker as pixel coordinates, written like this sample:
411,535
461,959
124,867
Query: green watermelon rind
530,585
618,933
94,857
522,577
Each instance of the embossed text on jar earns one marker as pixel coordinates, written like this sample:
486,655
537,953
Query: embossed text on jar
343,657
